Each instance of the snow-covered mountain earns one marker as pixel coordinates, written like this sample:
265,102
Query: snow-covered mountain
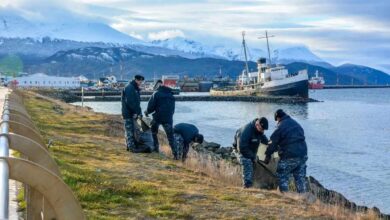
299,53
283,55
47,38
14,26
186,46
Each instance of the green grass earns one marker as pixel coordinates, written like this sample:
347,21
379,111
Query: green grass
20,199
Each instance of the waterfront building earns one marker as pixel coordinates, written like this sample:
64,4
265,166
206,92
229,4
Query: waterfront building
41,80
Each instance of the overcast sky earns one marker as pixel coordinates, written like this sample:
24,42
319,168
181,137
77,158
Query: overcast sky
338,31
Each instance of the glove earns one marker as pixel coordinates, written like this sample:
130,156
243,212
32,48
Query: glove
267,159
264,140
146,113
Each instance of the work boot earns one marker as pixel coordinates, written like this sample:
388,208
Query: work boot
130,148
156,149
247,186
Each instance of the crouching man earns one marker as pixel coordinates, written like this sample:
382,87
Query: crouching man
184,134
246,142
289,140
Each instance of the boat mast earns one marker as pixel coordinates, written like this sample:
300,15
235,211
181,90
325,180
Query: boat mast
269,53
246,59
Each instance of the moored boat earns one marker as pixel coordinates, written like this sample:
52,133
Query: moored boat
270,79
316,82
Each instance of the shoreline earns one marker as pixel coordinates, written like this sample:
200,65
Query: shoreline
210,165
69,97
264,99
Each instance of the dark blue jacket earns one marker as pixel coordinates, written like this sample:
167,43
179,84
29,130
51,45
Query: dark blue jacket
131,100
288,139
187,131
162,103
249,140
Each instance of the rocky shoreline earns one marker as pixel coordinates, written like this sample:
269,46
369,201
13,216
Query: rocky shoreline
222,162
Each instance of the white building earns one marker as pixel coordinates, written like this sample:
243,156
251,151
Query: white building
45,81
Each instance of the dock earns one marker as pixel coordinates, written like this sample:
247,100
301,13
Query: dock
179,98
355,86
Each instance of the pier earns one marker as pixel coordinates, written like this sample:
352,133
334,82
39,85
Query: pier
179,98
355,86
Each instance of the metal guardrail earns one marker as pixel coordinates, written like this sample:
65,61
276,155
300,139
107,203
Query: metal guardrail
47,196
4,169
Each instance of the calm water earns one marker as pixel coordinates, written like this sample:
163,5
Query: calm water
348,135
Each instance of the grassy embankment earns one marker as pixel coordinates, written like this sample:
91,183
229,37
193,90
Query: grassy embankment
111,183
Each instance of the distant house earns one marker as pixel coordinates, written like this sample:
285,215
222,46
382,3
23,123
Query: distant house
44,81
108,81
83,78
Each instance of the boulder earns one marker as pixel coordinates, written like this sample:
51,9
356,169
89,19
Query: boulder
211,146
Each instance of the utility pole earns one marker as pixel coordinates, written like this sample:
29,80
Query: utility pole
269,53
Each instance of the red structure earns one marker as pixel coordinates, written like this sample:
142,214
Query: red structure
170,80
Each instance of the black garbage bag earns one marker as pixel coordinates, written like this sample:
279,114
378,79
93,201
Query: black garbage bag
143,137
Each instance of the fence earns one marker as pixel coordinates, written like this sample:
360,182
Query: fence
46,194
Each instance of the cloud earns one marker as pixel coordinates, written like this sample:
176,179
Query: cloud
167,34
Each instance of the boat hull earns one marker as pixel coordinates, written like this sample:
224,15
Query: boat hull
299,88
316,86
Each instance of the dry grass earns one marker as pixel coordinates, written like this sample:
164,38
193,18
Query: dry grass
111,183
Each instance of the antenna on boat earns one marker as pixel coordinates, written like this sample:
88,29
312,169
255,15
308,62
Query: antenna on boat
121,69
269,53
246,59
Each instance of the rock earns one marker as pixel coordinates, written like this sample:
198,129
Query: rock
197,146
222,150
212,146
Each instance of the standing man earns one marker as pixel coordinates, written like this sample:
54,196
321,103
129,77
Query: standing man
184,134
131,109
162,105
289,140
246,142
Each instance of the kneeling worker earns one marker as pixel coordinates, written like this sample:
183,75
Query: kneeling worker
289,140
246,142
184,134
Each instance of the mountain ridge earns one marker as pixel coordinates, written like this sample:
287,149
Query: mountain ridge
125,62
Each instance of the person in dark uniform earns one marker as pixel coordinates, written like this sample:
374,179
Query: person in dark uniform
162,105
131,109
184,134
289,140
246,142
